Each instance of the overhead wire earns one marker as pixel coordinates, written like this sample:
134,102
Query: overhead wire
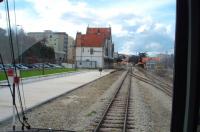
10,42
17,43
9,85
14,64
16,33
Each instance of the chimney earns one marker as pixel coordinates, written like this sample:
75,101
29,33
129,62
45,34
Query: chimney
78,39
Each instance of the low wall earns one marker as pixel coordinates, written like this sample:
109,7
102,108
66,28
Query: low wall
67,65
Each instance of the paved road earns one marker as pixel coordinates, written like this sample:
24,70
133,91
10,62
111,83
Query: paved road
37,92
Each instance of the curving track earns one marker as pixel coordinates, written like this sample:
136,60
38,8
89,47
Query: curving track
166,88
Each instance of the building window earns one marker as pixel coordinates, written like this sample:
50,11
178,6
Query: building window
91,51
106,51
82,49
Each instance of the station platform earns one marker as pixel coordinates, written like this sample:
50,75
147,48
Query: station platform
39,92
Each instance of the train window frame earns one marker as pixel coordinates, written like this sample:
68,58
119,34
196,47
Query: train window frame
186,98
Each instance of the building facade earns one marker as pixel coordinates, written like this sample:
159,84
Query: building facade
71,50
95,48
151,63
57,40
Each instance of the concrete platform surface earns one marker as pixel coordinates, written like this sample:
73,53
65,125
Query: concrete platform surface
38,92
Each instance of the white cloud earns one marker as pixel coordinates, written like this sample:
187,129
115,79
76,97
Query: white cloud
127,48
153,46
142,29
118,30
129,20
48,16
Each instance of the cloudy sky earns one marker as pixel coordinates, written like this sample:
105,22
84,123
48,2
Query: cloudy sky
137,25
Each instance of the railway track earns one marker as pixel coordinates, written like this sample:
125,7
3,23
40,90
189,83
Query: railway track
165,88
154,79
116,115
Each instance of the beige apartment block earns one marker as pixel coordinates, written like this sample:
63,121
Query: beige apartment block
57,40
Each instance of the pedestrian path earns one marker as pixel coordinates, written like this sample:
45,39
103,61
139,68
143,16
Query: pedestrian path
38,92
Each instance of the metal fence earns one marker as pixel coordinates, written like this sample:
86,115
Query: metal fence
86,64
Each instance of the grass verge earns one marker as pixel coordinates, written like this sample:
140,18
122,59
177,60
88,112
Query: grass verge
38,72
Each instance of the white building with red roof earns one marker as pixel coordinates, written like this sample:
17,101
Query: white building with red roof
95,48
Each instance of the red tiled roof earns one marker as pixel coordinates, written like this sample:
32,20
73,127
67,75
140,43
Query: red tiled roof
106,31
94,37
145,59
91,40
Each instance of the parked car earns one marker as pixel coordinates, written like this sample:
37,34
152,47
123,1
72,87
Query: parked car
21,67
1,67
28,65
36,65
40,65
7,66
47,66
56,66
50,65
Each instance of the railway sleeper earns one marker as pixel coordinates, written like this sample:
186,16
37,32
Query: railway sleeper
113,121
110,130
117,111
105,125
130,122
115,115
113,118
119,98
118,105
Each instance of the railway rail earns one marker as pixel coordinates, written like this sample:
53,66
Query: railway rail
165,88
153,78
116,115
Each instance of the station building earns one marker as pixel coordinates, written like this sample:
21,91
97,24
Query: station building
94,49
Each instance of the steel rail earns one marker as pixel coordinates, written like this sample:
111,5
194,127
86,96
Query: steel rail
110,104
127,105
153,77
165,89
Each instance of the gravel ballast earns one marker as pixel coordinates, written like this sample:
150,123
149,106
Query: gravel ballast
71,111
152,108
80,110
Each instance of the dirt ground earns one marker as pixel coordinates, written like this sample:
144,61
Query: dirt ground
81,109
70,111
152,107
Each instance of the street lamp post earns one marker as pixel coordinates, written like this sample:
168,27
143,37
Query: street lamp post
20,44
